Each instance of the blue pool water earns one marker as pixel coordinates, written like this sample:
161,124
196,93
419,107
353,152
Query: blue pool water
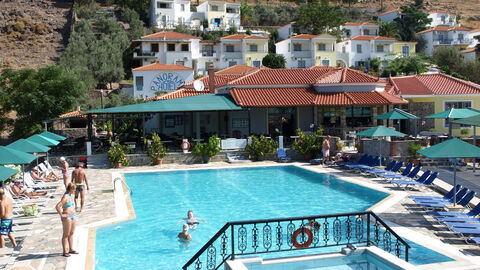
160,199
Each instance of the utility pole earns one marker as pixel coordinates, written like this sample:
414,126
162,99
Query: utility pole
101,98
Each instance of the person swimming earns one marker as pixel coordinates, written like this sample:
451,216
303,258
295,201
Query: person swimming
191,221
184,235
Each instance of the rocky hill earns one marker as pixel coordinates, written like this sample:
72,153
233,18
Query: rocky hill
33,32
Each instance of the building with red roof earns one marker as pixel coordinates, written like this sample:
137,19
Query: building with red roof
445,36
353,29
441,18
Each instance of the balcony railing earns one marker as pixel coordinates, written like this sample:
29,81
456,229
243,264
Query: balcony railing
302,54
233,55
144,54
208,53
244,238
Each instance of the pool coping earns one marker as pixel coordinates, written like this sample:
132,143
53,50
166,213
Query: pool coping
85,235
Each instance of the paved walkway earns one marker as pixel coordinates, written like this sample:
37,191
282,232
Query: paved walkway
465,177
42,249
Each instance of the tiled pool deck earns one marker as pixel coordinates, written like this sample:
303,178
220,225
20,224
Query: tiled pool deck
42,250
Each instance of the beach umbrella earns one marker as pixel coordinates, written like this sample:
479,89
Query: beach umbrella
12,156
6,173
398,114
40,139
471,121
453,113
381,131
28,146
453,149
53,136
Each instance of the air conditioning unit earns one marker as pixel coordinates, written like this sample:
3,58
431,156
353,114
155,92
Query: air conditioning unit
185,58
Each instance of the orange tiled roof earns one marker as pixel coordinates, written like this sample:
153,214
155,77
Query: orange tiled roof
468,50
347,75
238,36
390,11
72,114
179,93
358,24
220,80
169,35
300,76
237,69
158,66
433,84
303,36
444,29
474,30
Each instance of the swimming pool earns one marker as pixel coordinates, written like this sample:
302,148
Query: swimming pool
160,199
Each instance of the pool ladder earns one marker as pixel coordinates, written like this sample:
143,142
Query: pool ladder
123,181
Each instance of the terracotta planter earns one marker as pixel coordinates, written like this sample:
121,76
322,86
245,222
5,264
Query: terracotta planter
339,148
308,157
415,161
118,165
159,161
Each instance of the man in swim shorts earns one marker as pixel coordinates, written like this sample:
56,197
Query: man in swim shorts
79,178
326,150
184,235
191,221
6,222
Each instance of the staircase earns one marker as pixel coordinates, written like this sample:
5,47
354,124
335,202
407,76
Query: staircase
99,161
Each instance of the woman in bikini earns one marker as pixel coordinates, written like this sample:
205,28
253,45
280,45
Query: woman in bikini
64,169
66,210
191,221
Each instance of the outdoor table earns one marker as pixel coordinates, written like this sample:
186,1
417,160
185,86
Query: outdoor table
131,144
295,137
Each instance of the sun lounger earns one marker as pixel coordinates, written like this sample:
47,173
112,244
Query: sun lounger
475,211
389,168
410,176
458,219
419,182
447,196
282,155
368,160
405,172
462,225
463,201
459,195
362,160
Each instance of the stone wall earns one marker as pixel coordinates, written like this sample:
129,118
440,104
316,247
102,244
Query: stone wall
393,148
422,109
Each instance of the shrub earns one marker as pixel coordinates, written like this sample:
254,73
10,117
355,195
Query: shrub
155,149
116,154
464,131
308,144
208,149
413,149
259,146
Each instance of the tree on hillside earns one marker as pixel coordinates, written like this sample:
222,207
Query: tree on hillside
413,20
350,2
272,60
140,6
131,17
388,29
448,56
36,96
317,18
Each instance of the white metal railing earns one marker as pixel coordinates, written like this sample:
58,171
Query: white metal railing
122,181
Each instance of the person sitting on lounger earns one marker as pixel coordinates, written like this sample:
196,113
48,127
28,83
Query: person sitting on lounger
49,178
184,235
191,221
18,189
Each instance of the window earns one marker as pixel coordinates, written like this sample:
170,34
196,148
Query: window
231,10
359,116
229,48
297,47
184,47
254,48
301,63
162,5
154,47
325,62
331,117
182,7
460,37
213,8
347,32
405,50
232,63
366,32
321,47
139,83
443,19
181,63
379,48
256,63
344,49
164,19
180,20
359,48
171,47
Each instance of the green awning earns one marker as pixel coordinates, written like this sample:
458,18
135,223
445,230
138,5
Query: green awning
455,114
28,146
6,173
380,131
453,148
12,156
471,121
207,102
396,114
53,136
42,140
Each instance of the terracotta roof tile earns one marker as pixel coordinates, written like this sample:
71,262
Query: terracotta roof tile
273,97
303,36
474,30
434,84
169,35
370,38
179,93
237,69
358,24
332,98
347,75
443,29
282,77
238,36
390,11
220,80
72,114
158,66
356,98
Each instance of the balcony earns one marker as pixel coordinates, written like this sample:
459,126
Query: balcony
209,53
442,41
233,55
462,41
302,54
139,54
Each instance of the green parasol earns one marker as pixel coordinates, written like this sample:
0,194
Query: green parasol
381,131
53,136
6,173
28,146
42,140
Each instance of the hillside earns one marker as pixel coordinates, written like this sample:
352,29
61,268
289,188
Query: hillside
33,33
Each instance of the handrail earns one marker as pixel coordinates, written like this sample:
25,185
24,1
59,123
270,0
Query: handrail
123,181
247,239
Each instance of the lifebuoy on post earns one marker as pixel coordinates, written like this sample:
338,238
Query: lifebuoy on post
185,146
309,239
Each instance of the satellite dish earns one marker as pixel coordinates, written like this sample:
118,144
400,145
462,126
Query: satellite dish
198,85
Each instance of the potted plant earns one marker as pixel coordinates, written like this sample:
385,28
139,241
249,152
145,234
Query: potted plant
116,155
259,146
340,145
464,131
308,145
208,149
108,128
155,149
413,149
358,147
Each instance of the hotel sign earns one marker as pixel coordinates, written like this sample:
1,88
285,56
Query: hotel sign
166,82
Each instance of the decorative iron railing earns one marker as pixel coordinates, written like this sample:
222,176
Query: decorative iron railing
241,238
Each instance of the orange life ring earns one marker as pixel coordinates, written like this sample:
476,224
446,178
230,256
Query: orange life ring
307,243
185,145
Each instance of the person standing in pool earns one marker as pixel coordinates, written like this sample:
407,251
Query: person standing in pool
66,210
79,178
190,220
184,235
6,223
